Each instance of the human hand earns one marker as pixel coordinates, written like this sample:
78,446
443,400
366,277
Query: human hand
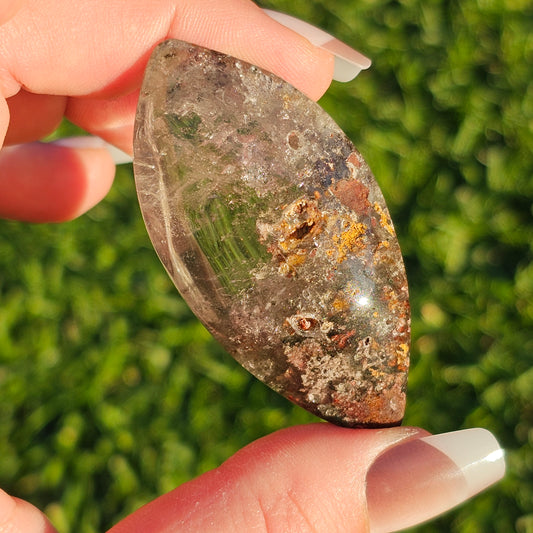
317,477
85,63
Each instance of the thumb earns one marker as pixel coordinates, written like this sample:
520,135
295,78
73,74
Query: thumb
318,478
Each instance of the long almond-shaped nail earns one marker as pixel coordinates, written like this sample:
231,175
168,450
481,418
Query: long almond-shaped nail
348,62
416,481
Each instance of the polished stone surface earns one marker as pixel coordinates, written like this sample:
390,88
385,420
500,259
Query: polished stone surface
275,232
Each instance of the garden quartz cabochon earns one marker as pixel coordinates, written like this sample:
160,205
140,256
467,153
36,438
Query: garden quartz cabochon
274,231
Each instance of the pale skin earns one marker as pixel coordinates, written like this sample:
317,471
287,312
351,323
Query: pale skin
84,60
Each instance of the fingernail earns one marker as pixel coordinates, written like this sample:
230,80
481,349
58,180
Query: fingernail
90,141
422,478
348,62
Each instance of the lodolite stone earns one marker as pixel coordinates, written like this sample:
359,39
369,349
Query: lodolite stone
275,232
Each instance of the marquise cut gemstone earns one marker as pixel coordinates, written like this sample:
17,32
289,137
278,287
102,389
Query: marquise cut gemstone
275,232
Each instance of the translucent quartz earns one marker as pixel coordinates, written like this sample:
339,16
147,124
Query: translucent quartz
275,232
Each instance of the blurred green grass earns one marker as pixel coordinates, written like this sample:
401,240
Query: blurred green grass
113,393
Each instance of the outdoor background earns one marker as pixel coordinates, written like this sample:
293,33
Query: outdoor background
112,392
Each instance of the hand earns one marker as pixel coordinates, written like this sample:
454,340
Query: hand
317,477
85,62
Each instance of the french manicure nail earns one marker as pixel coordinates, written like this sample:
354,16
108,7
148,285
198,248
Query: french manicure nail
348,62
90,141
422,478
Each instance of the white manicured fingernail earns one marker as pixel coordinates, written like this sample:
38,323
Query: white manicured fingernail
348,62
90,141
422,478
477,454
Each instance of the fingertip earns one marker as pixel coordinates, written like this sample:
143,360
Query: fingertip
47,182
33,116
99,173
306,67
295,59
326,65
247,32
348,61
